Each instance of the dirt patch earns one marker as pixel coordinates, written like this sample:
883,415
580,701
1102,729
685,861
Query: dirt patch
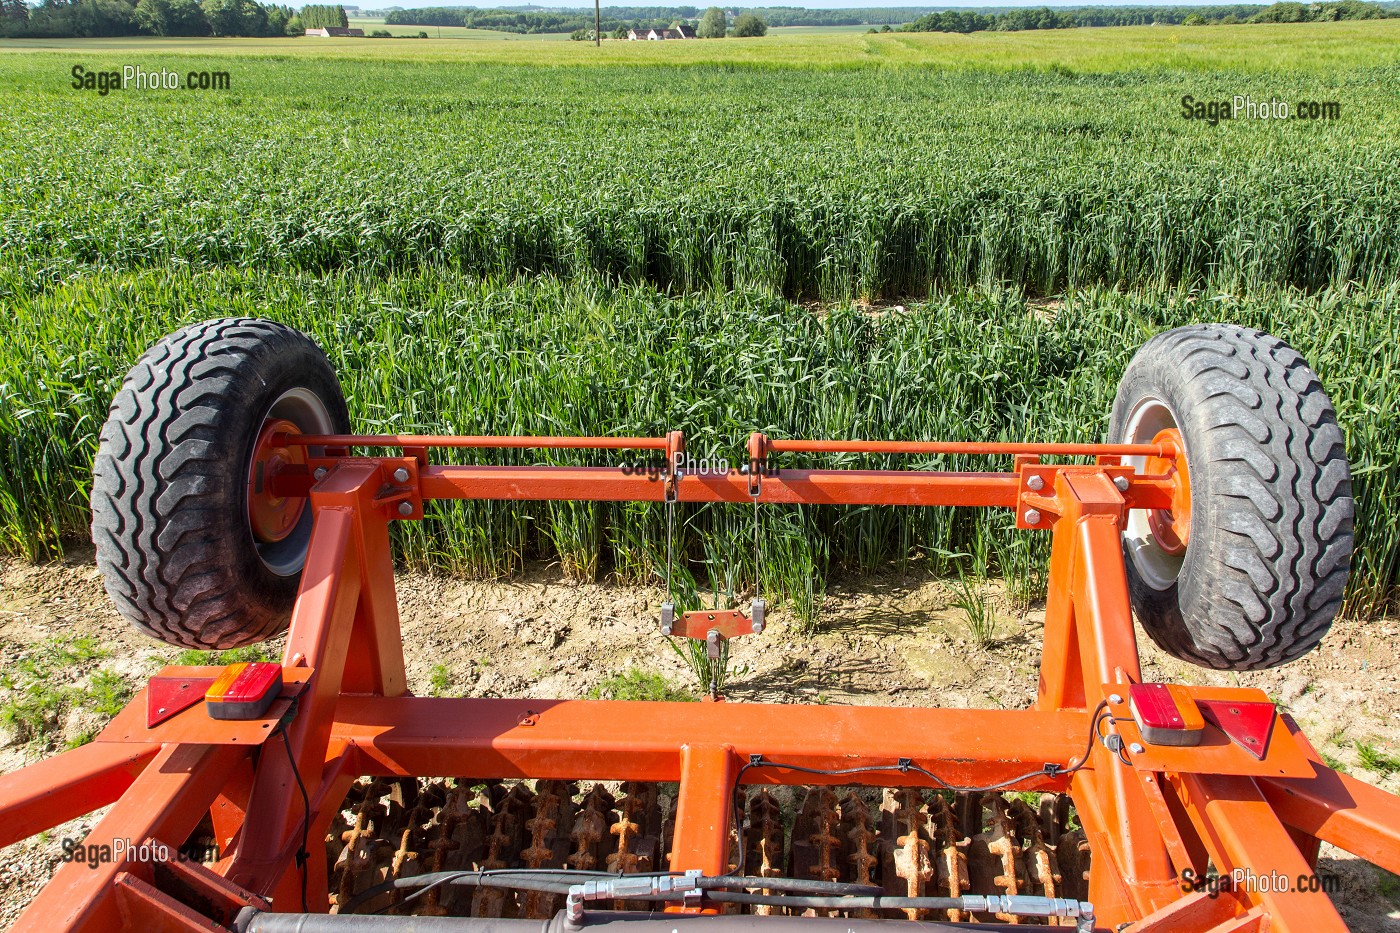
898,642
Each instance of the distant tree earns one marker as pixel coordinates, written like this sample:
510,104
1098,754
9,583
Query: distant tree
277,19
14,13
320,16
223,16
886,28
295,27
235,17
422,34
620,32
92,19
185,18
712,24
381,34
748,25
1194,19
153,16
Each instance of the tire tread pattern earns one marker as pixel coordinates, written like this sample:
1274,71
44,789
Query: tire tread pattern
1272,514
167,491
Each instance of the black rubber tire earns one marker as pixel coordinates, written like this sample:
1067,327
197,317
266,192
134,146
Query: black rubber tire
1270,545
169,488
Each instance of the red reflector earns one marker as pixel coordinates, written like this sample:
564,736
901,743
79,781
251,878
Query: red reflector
1165,714
244,690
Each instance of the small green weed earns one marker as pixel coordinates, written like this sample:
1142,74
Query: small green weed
1373,759
634,684
440,680
44,686
194,657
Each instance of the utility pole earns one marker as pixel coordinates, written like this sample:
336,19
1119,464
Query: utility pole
597,24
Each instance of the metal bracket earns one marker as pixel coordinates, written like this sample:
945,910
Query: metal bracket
401,493
624,888
1036,503
131,724
724,624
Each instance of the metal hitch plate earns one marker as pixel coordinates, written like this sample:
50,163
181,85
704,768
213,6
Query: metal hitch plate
1217,753
191,725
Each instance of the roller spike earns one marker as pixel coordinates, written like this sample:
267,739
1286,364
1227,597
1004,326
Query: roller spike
763,841
908,867
861,843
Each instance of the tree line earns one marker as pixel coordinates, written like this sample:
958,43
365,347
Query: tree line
626,17
60,19
712,24
94,18
1015,20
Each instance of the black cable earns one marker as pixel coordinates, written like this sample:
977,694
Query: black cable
528,879
302,855
904,766
542,879
794,885
543,887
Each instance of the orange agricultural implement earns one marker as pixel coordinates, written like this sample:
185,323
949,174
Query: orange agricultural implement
349,804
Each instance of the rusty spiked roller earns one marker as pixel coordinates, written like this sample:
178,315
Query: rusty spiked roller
861,845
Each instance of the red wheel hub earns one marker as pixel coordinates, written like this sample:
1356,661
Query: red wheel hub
1172,527
273,517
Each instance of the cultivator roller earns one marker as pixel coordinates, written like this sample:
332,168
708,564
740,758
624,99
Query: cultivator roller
907,842
230,503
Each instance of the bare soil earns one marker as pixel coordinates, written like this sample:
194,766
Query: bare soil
895,641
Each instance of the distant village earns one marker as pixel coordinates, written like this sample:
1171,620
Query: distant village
653,35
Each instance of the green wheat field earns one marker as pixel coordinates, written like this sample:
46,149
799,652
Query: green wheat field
908,236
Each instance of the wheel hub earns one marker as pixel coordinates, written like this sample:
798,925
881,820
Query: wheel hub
272,517
1172,527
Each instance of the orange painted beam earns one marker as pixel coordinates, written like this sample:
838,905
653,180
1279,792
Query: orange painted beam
1241,831
809,487
704,809
642,741
67,786
1339,809
164,803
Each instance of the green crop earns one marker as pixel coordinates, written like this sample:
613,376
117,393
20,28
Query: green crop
441,352
802,182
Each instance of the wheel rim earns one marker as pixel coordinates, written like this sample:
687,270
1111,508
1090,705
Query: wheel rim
270,516
1157,539
280,528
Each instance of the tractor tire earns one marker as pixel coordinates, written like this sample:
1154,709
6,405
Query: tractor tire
1264,563
171,515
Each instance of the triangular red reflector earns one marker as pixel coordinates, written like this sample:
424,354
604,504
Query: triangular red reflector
1248,725
166,696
